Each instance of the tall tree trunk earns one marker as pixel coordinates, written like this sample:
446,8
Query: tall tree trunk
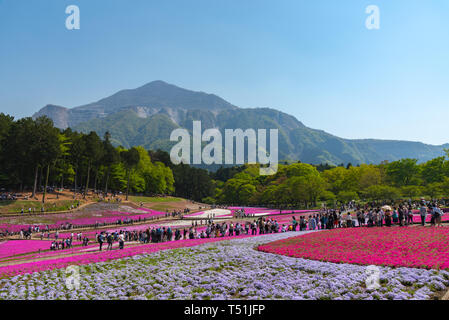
87,180
40,177
107,180
95,181
35,181
21,178
76,175
127,187
46,183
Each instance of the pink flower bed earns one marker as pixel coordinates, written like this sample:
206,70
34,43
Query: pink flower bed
15,247
194,214
269,212
419,247
30,267
141,227
252,210
417,218
111,217
45,252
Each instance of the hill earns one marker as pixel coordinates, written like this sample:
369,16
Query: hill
147,115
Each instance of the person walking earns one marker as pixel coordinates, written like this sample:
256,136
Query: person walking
437,213
254,228
312,223
109,240
294,223
388,218
410,215
401,216
121,241
423,214
100,240
349,220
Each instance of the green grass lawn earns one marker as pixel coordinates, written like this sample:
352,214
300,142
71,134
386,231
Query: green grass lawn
11,206
154,199
163,207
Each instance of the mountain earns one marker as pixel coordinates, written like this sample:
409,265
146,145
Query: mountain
147,115
152,98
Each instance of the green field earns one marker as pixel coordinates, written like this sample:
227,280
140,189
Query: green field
11,206
154,199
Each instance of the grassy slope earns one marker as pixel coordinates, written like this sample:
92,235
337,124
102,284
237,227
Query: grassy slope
11,206
154,199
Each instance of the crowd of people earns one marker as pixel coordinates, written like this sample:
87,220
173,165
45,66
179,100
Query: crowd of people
211,230
178,213
401,215
346,216
241,213
377,216
4,196
61,245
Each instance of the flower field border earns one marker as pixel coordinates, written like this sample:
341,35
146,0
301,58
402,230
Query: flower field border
414,247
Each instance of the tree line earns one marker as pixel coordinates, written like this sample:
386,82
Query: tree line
303,185
35,155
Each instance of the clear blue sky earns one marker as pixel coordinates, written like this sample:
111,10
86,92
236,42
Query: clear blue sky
313,59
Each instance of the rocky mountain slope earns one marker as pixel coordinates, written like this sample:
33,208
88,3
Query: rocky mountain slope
147,115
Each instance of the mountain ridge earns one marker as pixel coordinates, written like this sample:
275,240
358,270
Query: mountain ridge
146,115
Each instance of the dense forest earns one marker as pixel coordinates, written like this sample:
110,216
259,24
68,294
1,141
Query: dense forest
35,155
301,184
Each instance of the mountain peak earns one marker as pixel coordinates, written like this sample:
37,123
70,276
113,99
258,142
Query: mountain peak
157,83
146,115
58,114
149,98
160,94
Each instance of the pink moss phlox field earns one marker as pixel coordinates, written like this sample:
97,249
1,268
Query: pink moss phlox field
417,218
110,217
255,211
418,247
266,211
30,267
46,252
15,247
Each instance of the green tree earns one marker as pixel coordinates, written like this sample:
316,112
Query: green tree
346,196
382,192
369,175
245,194
130,159
192,183
43,145
434,170
309,189
110,157
411,191
433,190
16,163
403,172
336,179
93,153
445,187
